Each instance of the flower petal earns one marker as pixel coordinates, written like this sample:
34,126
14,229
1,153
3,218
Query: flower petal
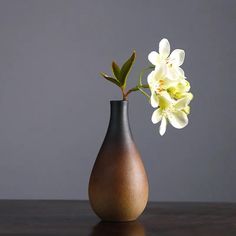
154,100
165,100
160,72
177,57
164,48
182,103
187,110
183,86
153,57
156,116
189,95
172,73
150,78
178,119
163,125
181,72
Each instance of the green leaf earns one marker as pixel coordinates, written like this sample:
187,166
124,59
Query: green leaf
125,69
111,79
116,70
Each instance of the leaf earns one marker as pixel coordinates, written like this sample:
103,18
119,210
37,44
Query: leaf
116,70
113,80
125,69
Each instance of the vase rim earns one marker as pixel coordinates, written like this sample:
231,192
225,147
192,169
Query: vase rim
118,101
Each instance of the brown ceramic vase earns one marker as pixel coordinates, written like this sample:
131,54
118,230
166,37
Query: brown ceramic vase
118,185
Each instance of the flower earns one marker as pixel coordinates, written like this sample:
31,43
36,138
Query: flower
158,82
180,90
172,61
169,88
174,111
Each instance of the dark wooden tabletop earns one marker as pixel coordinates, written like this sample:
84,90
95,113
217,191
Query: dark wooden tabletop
76,218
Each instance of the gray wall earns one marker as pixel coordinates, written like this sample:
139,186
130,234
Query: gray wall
54,108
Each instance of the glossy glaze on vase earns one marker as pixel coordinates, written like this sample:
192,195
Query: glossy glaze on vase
118,186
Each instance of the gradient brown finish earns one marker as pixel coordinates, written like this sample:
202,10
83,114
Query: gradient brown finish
118,186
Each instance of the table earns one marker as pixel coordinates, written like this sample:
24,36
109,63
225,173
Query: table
62,217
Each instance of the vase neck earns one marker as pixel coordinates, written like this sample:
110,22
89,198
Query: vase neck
119,120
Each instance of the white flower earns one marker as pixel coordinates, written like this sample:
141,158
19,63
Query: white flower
180,90
172,62
174,111
158,82
169,88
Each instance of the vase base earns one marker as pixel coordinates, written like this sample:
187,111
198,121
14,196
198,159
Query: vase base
118,220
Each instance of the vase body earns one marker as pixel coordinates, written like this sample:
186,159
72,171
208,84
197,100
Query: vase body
118,185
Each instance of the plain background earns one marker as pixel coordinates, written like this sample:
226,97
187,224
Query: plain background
54,107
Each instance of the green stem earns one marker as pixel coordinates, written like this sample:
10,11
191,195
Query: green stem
142,73
125,98
144,93
136,88
140,86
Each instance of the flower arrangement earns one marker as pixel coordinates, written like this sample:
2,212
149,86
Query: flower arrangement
168,86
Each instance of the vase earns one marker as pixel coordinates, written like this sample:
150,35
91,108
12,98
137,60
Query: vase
118,185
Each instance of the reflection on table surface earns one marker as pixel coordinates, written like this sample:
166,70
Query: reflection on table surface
133,228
